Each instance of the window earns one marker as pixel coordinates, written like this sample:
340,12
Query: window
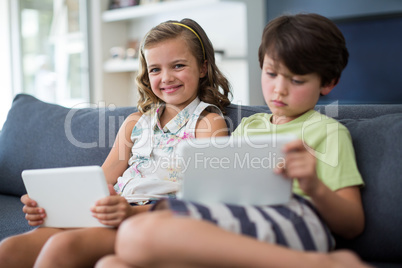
48,52
54,50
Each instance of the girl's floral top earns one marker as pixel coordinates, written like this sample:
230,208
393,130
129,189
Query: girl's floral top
154,167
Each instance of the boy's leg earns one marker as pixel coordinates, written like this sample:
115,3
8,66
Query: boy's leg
77,248
158,239
22,250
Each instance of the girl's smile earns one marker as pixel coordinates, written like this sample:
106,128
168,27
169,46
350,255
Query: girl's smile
171,89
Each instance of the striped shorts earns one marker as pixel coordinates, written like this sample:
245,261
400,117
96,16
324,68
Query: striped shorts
296,225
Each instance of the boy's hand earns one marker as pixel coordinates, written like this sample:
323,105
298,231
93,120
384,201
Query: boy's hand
33,214
300,164
111,210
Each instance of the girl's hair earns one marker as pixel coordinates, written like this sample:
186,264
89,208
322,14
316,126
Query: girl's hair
214,88
306,43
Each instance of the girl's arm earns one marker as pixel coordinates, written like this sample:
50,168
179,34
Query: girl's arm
211,125
117,160
112,210
342,209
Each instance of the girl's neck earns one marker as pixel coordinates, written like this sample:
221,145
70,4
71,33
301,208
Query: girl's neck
168,114
170,111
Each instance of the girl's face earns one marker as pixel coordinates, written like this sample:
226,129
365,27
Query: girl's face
174,72
289,95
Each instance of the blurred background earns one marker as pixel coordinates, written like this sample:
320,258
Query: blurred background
78,53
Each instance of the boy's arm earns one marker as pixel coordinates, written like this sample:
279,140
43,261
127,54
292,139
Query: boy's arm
342,209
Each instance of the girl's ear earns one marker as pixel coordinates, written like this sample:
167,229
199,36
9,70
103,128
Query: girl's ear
325,90
203,69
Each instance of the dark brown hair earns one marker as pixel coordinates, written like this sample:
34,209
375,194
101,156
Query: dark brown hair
214,88
306,43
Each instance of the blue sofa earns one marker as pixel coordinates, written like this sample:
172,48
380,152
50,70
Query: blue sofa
43,135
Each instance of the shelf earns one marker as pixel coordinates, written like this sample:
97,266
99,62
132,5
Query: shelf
134,12
232,25
120,66
143,12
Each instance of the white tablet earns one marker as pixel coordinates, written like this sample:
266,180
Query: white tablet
235,170
67,194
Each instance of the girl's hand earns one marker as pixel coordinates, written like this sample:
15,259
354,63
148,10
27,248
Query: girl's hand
33,214
300,163
111,210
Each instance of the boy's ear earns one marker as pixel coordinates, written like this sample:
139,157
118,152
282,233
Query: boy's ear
325,90
203,69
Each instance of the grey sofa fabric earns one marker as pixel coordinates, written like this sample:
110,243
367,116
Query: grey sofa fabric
12,220
378,146
41,135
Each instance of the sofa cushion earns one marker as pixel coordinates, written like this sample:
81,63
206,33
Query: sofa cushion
42,135
378,146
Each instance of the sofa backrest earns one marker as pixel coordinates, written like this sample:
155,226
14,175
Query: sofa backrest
42,135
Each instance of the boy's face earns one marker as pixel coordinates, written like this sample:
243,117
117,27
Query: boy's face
289,95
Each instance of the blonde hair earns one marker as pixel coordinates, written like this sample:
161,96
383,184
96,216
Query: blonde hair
214,88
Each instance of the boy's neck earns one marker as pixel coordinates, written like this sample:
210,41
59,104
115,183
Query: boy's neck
283,119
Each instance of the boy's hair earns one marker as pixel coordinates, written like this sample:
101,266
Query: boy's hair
306,43
210,86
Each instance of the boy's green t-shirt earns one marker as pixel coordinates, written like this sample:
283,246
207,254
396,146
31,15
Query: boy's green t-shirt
329,140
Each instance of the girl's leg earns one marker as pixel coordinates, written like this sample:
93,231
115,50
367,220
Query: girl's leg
158,239
77,248
22,250
111,261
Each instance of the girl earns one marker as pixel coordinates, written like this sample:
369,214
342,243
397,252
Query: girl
301,57
179,99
